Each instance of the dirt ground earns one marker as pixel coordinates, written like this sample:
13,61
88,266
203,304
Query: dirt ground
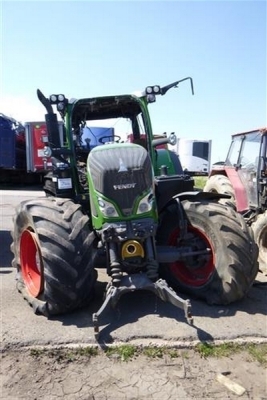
182,374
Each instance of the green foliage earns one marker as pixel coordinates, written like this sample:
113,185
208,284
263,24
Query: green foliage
159,352
74,354
173,353
125,351
37,352
200,182
86,351
154,352
258,352
223,350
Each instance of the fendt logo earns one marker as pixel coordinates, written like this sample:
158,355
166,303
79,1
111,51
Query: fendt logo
124,186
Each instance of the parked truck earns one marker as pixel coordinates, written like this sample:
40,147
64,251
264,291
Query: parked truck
195,155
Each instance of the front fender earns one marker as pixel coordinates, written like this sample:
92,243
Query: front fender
196,196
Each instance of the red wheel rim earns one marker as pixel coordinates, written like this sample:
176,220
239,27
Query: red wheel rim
193,271
31,263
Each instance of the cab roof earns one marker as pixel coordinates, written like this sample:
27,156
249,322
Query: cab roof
260,130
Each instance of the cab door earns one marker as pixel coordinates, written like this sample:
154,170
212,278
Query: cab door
248,165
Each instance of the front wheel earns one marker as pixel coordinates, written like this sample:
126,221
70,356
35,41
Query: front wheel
52,247
227,264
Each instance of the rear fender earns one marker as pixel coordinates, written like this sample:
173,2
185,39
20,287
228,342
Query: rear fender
239,189
241,197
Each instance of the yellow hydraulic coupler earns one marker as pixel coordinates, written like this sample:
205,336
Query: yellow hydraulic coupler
132,248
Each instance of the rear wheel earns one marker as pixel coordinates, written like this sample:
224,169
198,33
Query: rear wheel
53,246
221,184
224,273
259,228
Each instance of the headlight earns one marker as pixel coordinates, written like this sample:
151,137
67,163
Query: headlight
153,89
57,98
61,97
53,98
107,208
146,203
61,106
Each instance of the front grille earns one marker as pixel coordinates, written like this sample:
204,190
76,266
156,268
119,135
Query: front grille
120,172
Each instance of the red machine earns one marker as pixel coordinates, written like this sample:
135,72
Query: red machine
36,140
243,176
142,140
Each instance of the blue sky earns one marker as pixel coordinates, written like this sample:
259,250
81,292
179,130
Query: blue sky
92,48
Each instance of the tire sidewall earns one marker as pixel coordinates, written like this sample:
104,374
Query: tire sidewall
233,250
65,270
258,227
210,231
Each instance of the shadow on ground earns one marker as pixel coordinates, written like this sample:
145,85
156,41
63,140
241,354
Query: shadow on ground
136,305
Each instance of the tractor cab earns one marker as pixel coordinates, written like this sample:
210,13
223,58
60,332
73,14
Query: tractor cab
96,121
247,160
123,114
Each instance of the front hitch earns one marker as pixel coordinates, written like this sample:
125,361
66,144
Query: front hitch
130,283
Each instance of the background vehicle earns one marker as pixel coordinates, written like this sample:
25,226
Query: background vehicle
243,177
128,208
195,155
22,158
12,147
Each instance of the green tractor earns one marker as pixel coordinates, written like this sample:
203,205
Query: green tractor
128,207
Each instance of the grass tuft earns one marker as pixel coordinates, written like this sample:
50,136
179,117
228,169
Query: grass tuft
125,351
258,353
223,350
154,352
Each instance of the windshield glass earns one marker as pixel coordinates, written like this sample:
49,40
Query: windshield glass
244,149
93,133
100,120
250,150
